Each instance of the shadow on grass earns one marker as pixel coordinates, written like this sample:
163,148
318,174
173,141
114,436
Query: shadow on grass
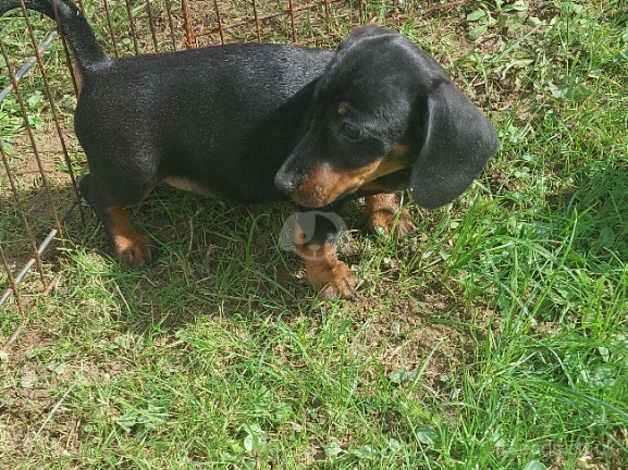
601,201
39,208
209,256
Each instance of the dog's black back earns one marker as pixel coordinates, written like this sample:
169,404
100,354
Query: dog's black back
225,116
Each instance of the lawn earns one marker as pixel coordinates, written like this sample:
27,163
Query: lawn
494,337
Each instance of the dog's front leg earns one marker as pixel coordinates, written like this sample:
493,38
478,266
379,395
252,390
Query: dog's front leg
315,241
384,213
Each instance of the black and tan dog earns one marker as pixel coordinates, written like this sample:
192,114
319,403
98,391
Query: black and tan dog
263,122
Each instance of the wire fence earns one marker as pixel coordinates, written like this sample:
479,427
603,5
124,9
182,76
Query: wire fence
124,27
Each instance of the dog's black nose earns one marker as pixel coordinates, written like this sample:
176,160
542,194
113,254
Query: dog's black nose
284,183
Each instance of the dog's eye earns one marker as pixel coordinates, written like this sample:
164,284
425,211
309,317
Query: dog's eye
350,131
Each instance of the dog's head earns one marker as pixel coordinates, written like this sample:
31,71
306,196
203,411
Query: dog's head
384,107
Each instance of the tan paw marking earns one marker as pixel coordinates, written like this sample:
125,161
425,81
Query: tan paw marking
326,274
133,251
132,248
384,214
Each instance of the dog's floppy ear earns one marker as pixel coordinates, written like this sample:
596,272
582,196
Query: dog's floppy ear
458,140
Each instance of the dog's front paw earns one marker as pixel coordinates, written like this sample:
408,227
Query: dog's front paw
383,222
133,249
385,213
332,280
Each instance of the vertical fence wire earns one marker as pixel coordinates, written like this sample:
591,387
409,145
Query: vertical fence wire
68,63
190,37
53,108
170,24
129,12
292,22
327,13
12,284
112,35
66,49
219,19
257,25
22,214
31,137
151,24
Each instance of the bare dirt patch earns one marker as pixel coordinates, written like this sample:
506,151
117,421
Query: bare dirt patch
410,335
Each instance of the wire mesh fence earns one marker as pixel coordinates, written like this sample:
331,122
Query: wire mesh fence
41,158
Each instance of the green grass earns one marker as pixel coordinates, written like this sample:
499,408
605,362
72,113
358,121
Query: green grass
494,338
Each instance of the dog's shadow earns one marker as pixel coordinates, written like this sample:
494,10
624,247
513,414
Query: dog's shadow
211,257
28,215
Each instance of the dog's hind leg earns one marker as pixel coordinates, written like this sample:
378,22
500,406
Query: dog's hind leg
131,247
110,200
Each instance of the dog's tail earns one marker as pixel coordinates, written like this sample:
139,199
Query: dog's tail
79,35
